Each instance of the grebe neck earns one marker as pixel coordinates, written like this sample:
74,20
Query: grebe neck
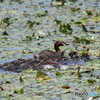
56,46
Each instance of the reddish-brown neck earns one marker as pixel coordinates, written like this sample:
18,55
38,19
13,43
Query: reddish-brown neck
57,44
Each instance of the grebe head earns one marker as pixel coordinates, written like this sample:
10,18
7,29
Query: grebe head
59,43
36,57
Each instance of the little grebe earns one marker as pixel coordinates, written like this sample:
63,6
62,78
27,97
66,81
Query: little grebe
48,55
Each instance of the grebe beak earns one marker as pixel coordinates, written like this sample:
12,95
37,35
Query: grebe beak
64,43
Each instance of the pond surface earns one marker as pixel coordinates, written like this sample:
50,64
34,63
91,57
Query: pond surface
29,26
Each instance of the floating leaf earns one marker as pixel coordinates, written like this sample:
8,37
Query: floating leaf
6,20
29,38
73,0
58,21
84,28
72,73
5,38
42,14
21,91
1,88
97,88
85,53
40,34
91,81
82,39
9,96
8,82
59,2
86,71
84,20
2,0
65,28
97,18
79,73
30,23
42,78
22,51
73,9
78,22
21,80
5,33
58,73
41,74
89,12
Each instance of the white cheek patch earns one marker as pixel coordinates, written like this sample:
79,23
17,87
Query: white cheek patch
36,57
